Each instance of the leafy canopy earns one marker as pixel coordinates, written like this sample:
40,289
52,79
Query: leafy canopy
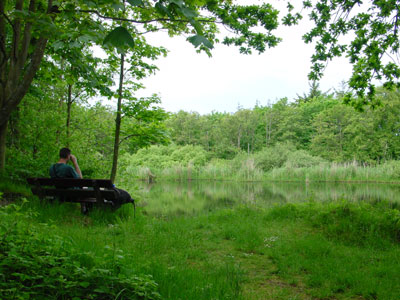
367,32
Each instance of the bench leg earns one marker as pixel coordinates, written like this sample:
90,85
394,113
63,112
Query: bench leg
85,207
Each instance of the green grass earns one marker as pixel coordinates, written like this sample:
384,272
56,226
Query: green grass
10,186
336,250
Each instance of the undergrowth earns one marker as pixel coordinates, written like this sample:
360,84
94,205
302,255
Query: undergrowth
34,265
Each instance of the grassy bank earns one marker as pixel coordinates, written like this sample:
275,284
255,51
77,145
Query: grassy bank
388,172
305,251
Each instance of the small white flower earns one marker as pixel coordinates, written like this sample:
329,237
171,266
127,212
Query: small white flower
268,241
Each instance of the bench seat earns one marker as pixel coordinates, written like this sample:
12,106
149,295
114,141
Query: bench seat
85,191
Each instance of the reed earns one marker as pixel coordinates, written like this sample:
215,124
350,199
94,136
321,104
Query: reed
386,172
248,171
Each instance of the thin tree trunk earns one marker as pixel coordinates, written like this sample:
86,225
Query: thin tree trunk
239,137
69,104
268,127
60,102
118,121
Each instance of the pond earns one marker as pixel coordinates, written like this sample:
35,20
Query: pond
176,198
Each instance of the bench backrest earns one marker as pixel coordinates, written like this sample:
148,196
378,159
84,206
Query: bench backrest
70,182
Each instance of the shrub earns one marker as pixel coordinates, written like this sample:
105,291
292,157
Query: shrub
302,159
190,154
273,157
38,265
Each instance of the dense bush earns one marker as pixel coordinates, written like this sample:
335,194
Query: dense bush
302,159
38,265
273,157
167,156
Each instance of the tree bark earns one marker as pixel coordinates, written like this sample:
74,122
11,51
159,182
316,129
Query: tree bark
3,134
118,121
17,70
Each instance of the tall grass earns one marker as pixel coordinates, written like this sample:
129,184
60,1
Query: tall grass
386,172
248,171
8,185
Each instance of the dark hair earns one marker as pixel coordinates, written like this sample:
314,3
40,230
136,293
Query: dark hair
64,152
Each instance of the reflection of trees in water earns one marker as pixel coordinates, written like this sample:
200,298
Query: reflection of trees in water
371,192
195,196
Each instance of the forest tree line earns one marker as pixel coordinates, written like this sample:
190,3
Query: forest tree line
321,125
318,124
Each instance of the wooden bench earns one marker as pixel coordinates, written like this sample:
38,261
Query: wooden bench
88,192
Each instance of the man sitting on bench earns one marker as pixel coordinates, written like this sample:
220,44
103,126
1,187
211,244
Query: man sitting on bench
62,170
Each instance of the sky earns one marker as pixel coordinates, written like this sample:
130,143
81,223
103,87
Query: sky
194,82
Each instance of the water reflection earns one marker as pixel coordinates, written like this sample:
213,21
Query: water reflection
196,196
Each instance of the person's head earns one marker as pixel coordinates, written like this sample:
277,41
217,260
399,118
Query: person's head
65,153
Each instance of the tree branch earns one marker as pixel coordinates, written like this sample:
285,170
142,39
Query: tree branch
17,95
127,137
26,39
152,30
17,31
77,95
3,57
7,18
90,11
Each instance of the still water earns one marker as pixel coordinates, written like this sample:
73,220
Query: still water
166,198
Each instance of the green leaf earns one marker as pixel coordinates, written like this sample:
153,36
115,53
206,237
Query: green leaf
58,45
117,6
177,2
136,2
163,10
197,40
85,38
119,37
188,12
90,3
197,26
84,284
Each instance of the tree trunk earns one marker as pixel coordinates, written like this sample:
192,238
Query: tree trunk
16,76
118,121
69,104
3,134
268,127
239,135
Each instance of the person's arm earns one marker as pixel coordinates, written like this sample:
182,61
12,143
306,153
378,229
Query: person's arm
76,166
